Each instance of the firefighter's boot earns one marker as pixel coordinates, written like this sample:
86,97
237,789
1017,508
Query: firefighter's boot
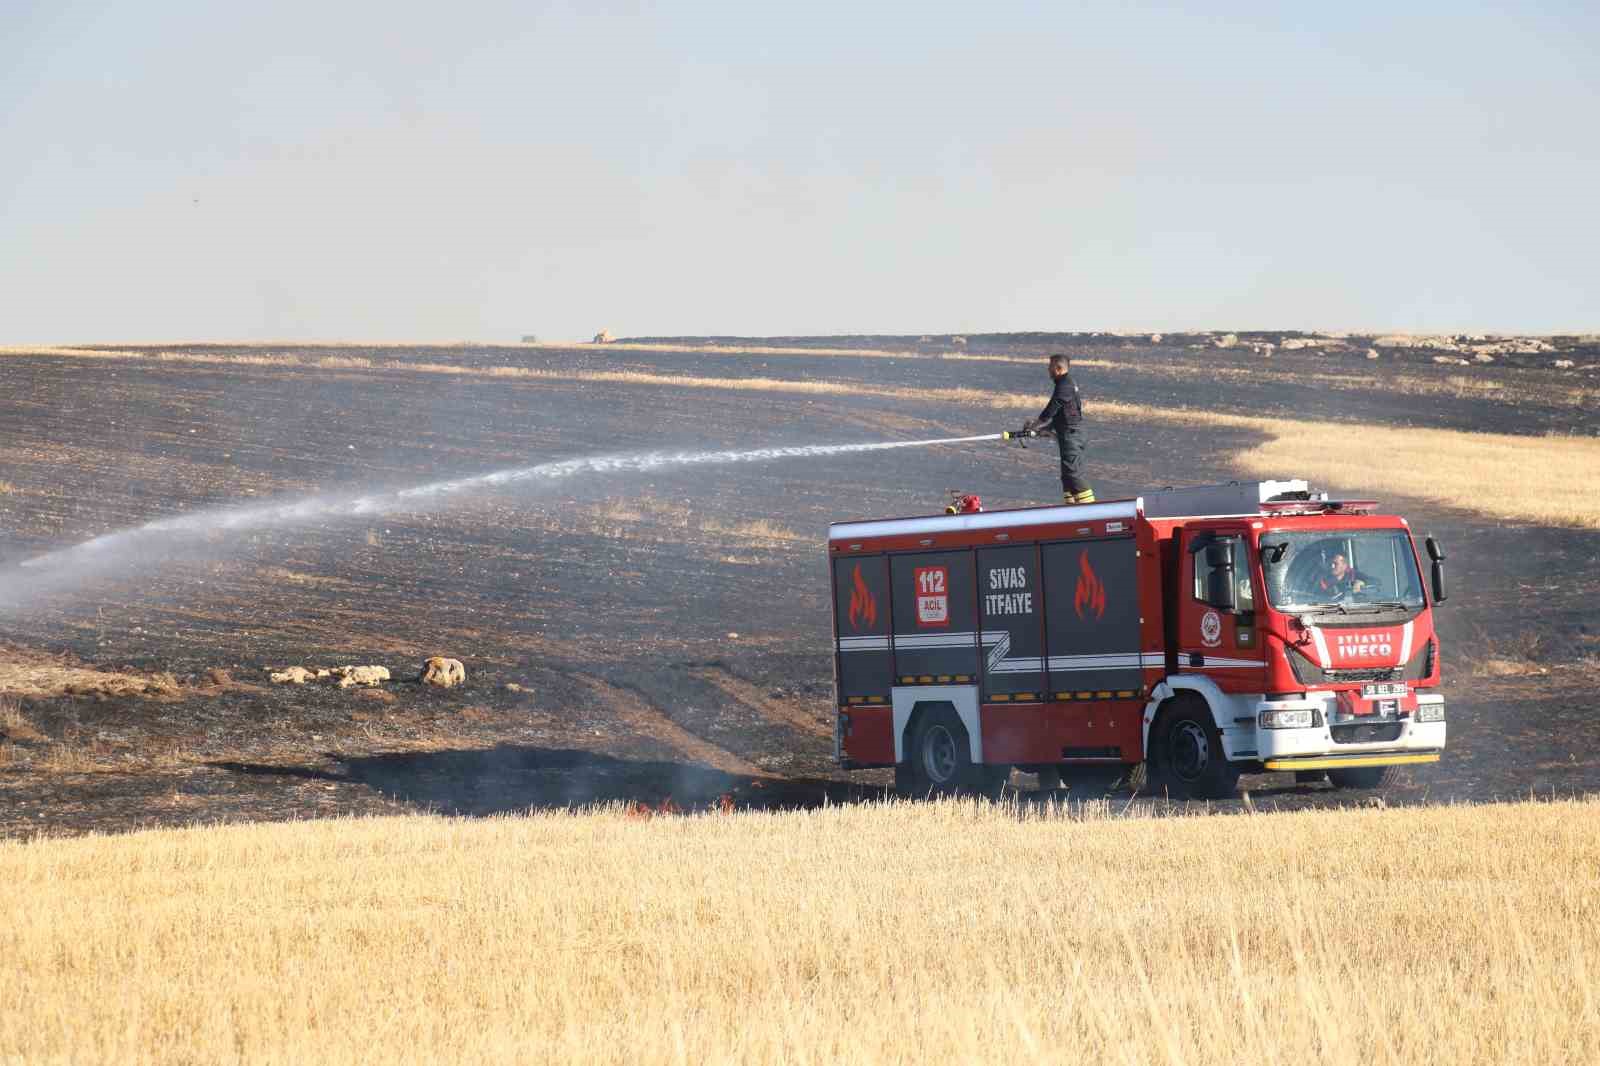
1086,496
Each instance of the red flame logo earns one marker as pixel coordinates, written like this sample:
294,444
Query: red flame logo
863,608
1091,593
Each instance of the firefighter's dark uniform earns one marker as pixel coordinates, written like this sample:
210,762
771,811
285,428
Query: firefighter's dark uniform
1064,415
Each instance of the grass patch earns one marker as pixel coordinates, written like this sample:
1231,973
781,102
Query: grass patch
761,529
14,725
952,932
42,677
1499,666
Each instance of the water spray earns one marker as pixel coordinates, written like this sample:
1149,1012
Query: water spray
132,545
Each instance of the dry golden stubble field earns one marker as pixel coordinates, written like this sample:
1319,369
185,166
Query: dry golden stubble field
948,932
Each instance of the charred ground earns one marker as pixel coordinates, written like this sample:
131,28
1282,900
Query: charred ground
641,638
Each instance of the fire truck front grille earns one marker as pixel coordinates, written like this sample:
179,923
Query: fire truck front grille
1309,673
1382,673
1366,733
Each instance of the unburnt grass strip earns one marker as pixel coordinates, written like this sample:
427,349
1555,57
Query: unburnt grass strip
951,932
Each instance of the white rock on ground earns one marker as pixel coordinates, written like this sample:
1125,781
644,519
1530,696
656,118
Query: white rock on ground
292,675
443,673
351,676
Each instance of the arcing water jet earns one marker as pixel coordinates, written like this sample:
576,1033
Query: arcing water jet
61,569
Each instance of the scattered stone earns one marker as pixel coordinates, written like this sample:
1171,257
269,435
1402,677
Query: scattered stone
1227,340
1294,344
733,636
219,677
1483,357
294,675
959,342
351,676
324,673
603,337
1155,338
1372,353
1565,364
443,673
1451,360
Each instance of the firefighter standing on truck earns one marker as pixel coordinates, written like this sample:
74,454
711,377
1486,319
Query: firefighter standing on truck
1064,415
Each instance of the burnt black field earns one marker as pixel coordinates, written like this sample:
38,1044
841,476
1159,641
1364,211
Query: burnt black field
642,638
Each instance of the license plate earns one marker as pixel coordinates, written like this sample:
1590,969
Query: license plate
1372,692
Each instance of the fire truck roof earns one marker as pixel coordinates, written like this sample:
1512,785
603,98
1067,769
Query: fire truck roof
961,523
1233,498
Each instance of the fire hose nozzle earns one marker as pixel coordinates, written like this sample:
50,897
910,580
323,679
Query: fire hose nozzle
1019,435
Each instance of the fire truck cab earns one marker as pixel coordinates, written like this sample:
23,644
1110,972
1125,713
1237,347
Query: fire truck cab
1202,632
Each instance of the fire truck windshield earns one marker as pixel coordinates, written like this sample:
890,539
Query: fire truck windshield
1354,570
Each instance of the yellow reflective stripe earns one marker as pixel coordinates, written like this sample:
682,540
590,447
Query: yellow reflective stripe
1336,762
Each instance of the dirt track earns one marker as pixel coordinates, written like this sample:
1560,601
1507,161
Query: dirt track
612,603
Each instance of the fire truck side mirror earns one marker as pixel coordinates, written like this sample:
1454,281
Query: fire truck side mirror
1219,589
1437,555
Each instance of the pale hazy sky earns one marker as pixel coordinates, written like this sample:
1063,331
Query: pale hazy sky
381,170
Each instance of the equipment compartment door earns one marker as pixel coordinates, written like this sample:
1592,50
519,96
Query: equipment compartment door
935,618
1013,630
1092,618
861,621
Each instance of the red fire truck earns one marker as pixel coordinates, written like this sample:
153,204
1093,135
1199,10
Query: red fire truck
1203,632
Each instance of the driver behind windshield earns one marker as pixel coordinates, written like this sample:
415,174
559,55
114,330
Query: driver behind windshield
1341,577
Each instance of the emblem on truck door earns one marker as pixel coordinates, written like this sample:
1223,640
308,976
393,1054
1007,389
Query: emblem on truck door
863,608
1211,629
933,595
1090,593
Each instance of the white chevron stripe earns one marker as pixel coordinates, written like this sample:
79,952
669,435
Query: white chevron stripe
1017,666
1322,646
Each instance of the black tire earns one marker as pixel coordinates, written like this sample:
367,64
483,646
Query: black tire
1049,778
1186,759
939,760
1361,777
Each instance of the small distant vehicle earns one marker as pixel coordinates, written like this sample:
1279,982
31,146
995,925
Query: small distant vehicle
1194,634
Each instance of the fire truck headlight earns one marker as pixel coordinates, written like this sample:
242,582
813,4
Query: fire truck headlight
1303,718
1430,712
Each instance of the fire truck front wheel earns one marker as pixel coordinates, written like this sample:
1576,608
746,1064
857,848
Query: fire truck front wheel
1186,754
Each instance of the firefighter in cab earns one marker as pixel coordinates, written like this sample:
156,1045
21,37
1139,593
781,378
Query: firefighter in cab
1063,415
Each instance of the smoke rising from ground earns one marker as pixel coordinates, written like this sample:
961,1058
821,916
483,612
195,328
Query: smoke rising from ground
189,535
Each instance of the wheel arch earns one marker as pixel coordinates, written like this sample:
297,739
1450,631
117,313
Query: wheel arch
1171,689
962,699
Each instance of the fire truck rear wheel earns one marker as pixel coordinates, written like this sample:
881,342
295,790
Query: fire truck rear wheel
1187,756
938,759
1360,777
